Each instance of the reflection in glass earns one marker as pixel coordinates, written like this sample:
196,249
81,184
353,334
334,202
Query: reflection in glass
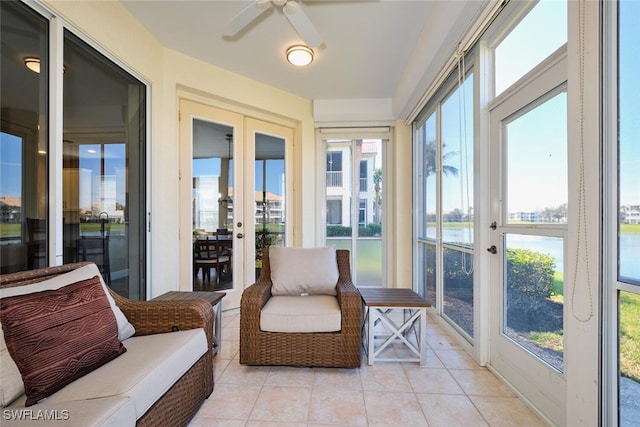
534,295
538,35
23,140
212,209
537,164
104,169
270,190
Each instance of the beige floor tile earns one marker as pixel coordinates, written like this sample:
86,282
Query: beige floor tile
290,376
331,378
253,423
432,361
441,341
457,359
228,349
388,377
219,365
278,403
393,409
231,334
506,411
431,380
480,383
235,373
213,422
444,410
230,401
337,406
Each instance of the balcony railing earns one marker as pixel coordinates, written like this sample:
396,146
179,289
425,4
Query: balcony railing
334,178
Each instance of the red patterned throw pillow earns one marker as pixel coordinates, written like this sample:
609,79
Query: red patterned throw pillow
58,336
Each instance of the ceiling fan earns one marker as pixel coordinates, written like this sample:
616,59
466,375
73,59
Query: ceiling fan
292,10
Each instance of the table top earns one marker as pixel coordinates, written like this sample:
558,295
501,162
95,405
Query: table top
211,297
392,297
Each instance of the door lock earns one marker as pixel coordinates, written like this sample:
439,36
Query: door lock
239,224
239,235
493,249
493,225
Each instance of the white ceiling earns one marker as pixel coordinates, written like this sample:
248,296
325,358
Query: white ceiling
372,48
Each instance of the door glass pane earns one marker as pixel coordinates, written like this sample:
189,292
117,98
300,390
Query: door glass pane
354,173
104,168
427,146
536,37
270,202
338,197
629,335
369,241
428,273
629,209
537,164
212,209
23,140
533,290
457,205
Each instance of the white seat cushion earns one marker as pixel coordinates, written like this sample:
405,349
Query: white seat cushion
311,313
150,366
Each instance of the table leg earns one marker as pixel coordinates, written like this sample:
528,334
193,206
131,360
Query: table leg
371,335
423,337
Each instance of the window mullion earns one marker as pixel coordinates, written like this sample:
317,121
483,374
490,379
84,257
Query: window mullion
55,148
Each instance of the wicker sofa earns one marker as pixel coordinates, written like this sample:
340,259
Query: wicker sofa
170,326
325,349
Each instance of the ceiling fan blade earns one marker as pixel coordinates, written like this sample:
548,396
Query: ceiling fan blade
302,24
246,16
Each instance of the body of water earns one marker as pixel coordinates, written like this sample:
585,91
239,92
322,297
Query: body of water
629,248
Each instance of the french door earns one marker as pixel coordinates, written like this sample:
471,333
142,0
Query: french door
233,180
528,242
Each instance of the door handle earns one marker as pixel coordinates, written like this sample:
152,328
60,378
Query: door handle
239,235
493,249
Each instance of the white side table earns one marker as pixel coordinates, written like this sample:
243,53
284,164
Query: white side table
380,304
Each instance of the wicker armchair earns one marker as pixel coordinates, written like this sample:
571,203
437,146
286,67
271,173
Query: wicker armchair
326,349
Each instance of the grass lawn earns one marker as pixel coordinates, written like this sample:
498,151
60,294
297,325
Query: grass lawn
630,335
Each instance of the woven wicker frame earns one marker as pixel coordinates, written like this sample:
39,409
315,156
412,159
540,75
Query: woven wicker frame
327,349
181,402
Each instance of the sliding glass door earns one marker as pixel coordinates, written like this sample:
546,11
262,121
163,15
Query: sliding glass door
99,162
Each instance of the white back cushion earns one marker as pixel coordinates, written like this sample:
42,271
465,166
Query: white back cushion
303,271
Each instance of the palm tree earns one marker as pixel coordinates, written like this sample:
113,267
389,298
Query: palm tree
377,186
430,160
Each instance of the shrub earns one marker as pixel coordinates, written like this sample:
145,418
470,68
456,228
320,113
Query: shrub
529,280
338,231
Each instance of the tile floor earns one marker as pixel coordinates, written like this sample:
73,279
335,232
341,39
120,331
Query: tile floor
451,390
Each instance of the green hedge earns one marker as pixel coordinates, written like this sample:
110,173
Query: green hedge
373,229
529,280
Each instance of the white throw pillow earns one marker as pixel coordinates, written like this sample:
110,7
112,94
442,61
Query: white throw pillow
303,271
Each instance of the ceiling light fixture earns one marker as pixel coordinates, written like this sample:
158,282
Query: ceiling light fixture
33,64
299,55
